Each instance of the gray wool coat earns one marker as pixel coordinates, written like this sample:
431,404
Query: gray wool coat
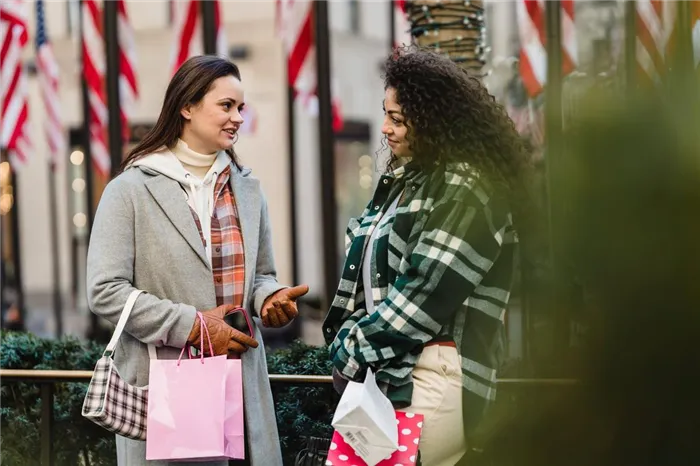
144,237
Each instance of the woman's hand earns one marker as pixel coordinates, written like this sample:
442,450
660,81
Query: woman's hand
224,338
280,308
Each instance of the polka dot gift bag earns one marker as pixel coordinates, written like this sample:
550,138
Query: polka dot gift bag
366,420
410,425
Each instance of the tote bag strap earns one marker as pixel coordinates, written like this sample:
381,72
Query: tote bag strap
122,322
152,352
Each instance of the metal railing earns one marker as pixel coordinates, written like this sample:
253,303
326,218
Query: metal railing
46,379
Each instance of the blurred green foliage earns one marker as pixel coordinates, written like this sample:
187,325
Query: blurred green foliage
626,219
301,411
77,440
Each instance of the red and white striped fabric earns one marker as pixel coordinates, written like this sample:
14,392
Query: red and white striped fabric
654,26
657,37
128,79
533,54
47,74
188,40
94,75
14,117
295,26
188,36
402,27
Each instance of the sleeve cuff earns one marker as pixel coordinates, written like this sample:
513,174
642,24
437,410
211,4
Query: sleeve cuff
348,366
184,326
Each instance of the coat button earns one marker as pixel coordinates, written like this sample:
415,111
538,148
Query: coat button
352,267
386,181
342,301
379,275
328,330
376,207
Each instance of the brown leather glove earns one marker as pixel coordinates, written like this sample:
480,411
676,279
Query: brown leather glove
280,308
224,338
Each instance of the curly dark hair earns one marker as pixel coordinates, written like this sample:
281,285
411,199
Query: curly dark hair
452,117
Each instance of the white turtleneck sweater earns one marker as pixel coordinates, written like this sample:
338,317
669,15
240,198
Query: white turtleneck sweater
197,174
194,162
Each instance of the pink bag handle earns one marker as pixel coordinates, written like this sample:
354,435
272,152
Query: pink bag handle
202,328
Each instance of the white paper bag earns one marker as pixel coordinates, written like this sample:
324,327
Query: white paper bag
367,421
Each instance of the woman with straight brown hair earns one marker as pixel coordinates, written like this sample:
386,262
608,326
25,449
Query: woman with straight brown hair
186,223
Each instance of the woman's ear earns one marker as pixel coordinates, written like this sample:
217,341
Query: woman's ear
186,112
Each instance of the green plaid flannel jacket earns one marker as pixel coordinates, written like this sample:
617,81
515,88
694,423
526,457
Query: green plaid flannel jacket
442,268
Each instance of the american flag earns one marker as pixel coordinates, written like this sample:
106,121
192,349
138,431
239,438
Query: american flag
402,27
533,54
14,117
94,75
295,25
47,73
187,27
654,25
188,40
128,80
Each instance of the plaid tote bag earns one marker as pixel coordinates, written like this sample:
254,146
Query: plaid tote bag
110,402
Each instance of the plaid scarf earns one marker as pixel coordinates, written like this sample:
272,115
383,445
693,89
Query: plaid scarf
227,254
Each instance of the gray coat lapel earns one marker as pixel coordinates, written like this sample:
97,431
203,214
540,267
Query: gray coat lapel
247,198
168,194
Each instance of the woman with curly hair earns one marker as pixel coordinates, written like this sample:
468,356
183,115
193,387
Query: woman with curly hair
429,265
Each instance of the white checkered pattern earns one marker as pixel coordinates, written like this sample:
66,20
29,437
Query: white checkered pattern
111,402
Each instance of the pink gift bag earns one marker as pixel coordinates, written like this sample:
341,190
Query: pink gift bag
410,426
234,435
187,407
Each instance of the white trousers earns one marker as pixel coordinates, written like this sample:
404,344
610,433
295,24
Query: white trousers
437,395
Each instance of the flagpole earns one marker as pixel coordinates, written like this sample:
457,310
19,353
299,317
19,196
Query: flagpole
17,251
41,42
326,150
554,147
631,45
55,256
209,27
292,161
291,141
3,274
683,59
392,24
87,152
111,34
87,149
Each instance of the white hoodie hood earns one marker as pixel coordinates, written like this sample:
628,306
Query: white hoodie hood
199,192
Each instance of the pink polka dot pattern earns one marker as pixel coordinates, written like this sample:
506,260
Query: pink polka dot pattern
409,426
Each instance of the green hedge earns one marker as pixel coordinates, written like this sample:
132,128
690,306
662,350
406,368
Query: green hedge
301,411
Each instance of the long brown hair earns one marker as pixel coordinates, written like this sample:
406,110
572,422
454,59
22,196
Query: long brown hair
188,87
